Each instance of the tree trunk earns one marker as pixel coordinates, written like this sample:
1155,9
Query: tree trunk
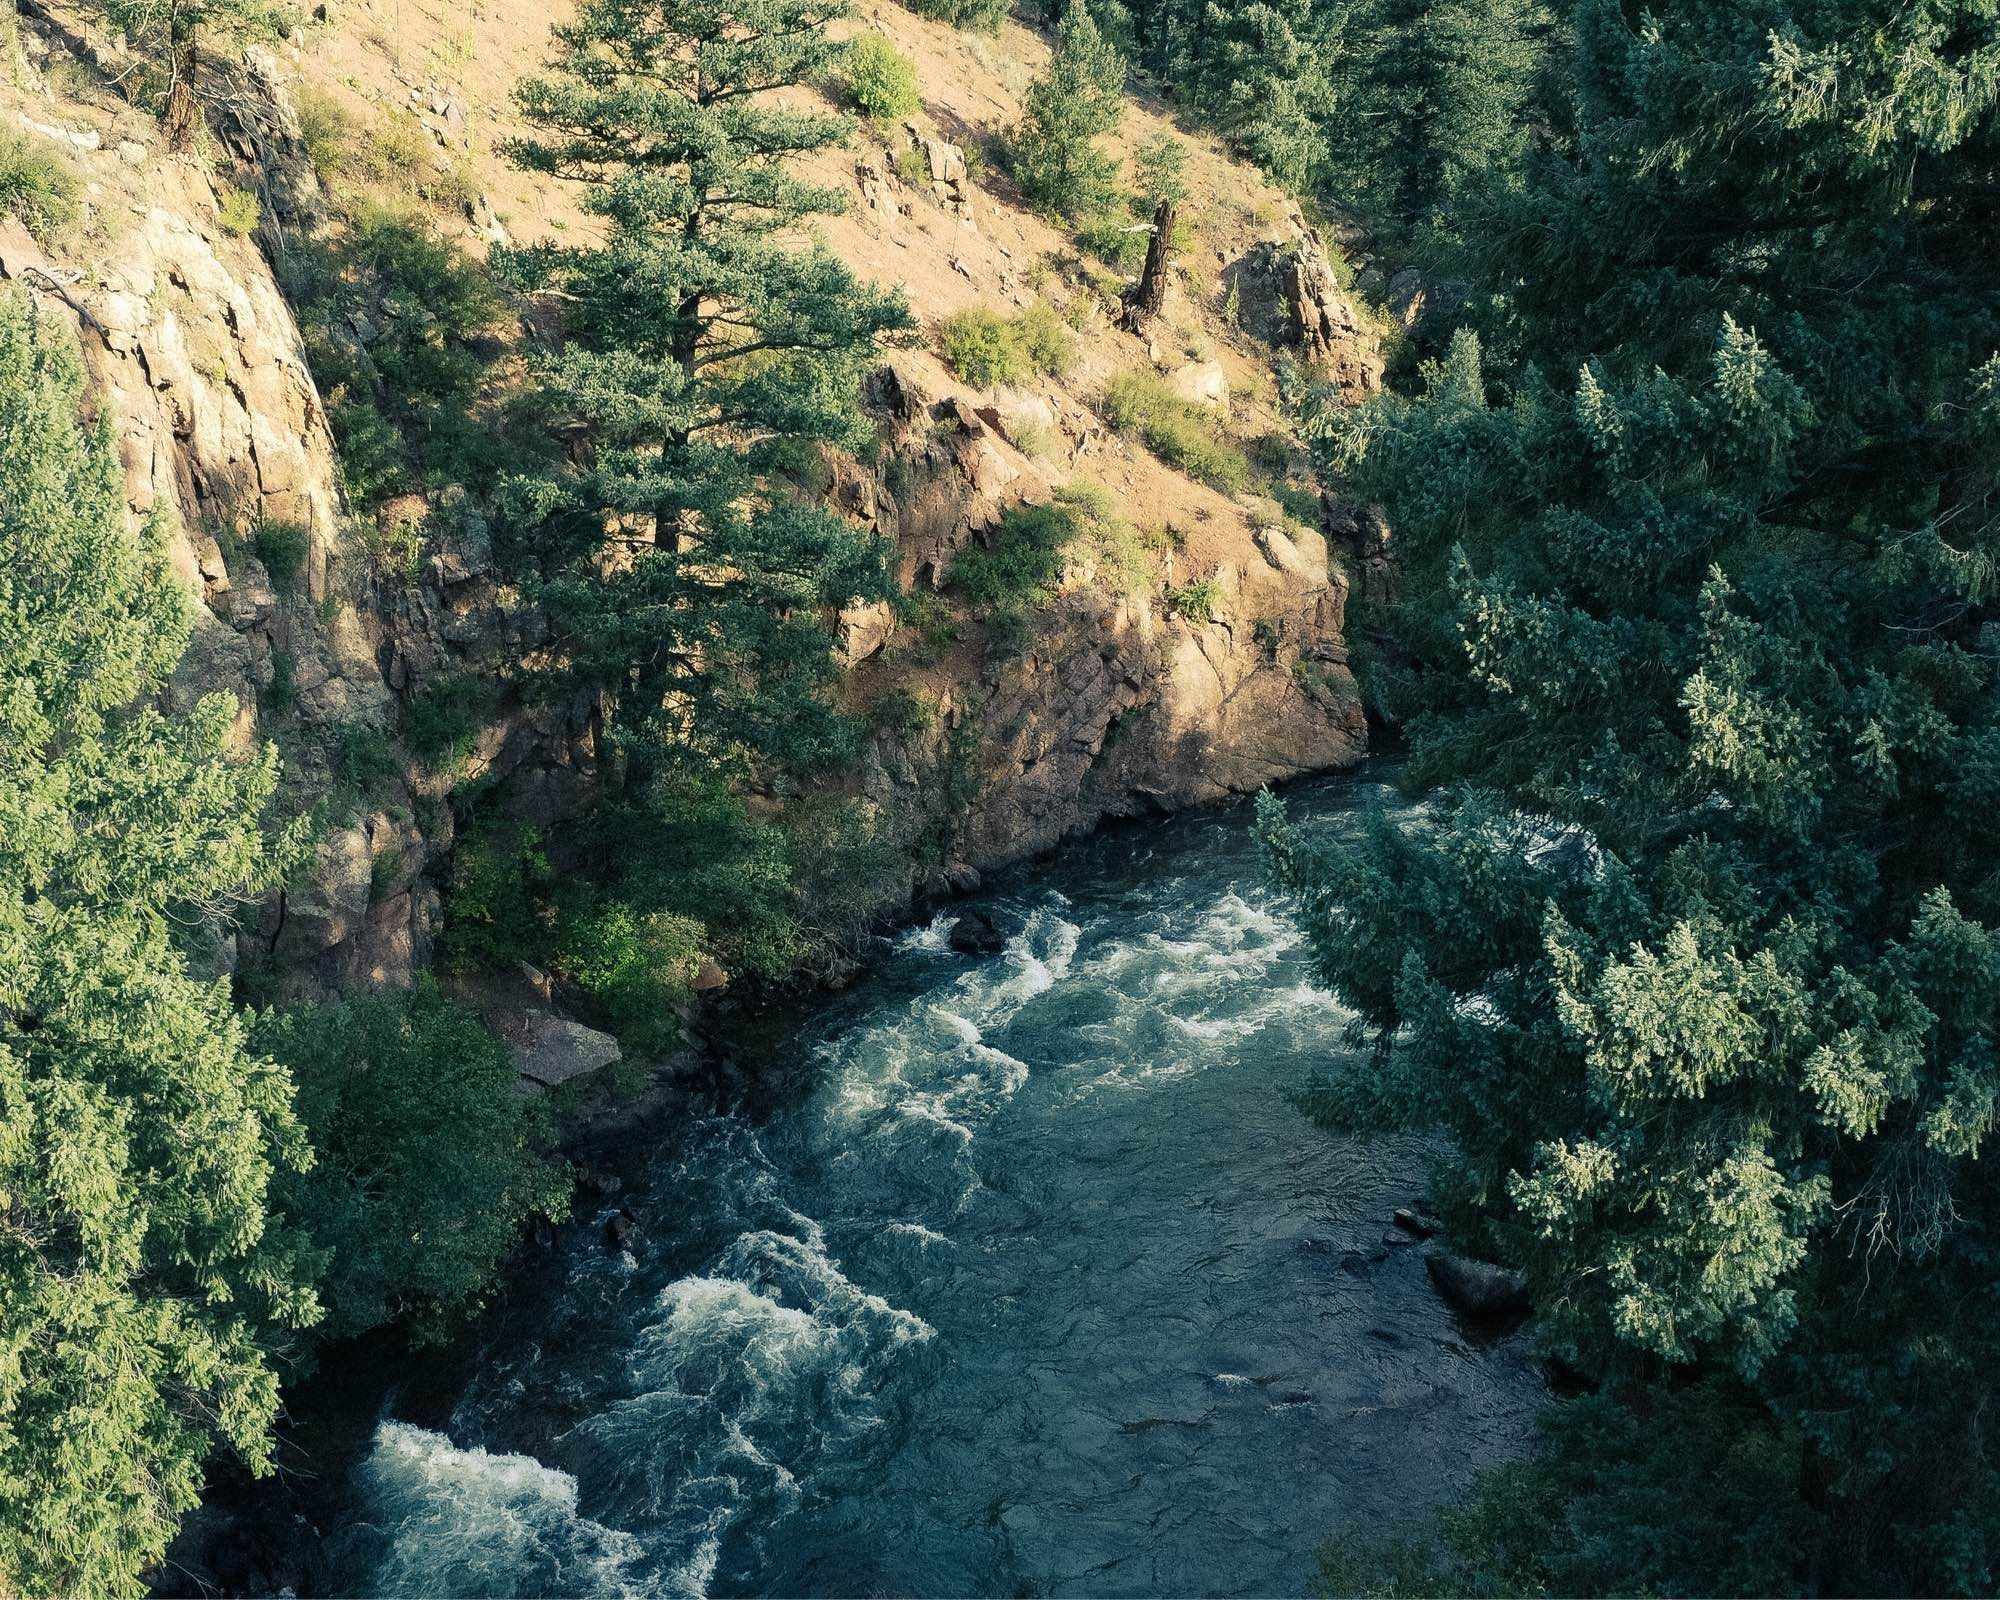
183,110
1150,293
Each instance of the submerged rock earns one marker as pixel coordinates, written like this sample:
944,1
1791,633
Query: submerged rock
974,934
1412,1219
1478,1288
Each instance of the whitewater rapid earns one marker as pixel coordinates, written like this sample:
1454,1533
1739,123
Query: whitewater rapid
1038,1284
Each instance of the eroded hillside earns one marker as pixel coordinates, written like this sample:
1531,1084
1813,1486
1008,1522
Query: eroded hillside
310,391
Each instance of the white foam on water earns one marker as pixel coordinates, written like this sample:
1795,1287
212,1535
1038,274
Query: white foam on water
930,1109
931,1062
917,1231
467,1522
933,938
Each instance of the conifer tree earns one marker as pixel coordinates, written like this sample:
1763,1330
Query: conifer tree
1697,957
1080,96
1267,76
705,354
1433,91
139,1281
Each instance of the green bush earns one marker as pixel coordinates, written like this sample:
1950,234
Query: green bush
441,720
496,912
900,711
239,211
428,1159
844,868
36,185
1046,340
1111,236
881,80
283,693
930,623
986,349
367,759
975,16
1020,566
370,448
982,348
325,129
638,966
1194,602
1178,431
282,547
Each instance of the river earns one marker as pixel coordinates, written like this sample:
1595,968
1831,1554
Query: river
1026,1278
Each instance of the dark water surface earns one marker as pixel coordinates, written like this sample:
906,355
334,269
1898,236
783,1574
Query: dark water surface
1035,1285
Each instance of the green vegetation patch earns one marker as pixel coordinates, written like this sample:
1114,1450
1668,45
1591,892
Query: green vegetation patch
37,184
1180,432
987,350
880,81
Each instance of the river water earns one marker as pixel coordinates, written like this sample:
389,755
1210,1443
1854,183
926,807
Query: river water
1028,1280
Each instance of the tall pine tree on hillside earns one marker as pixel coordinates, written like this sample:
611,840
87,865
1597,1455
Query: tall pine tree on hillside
1267,75
1701,550
1430,93
1080,96
705,352
139,1281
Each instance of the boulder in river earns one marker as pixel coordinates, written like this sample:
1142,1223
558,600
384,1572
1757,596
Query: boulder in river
1412,1219
974,934
1478,1288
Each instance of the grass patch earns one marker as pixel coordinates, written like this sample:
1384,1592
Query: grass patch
1019,570
1180,432
1194,602
987,350
37,185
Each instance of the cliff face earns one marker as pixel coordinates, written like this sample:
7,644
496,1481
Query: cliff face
1114,704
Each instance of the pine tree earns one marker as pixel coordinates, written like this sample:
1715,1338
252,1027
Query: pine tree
1431,92
1696,958
1267,76
705,357
139,1281
1080,96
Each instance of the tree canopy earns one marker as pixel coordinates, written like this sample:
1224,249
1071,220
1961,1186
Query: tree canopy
703,355
141,1284
1696,960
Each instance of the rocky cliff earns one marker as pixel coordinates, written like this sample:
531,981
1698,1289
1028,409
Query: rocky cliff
328,633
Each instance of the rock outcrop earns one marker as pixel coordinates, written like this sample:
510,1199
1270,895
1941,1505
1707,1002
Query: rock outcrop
1289,294
1478,1288
191,343
1116,704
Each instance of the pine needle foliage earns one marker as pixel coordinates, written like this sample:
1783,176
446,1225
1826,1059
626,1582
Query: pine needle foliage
1696,957
1079,96
704,349
141,1284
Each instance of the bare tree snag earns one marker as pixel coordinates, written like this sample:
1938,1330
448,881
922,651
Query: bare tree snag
1150,293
